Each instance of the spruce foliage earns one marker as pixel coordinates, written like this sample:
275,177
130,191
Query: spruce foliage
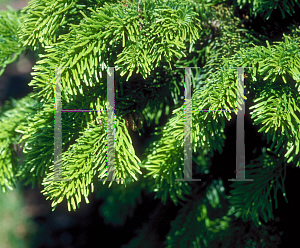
146,41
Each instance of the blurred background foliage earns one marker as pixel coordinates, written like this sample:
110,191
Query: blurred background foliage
17,229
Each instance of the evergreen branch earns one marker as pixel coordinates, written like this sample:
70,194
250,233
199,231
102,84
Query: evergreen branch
44,21
213,226
9,137
276,110
266,7
10,45
218,93
206,215
167,154
38,133
87,156
278,113
253,200
39,155
92,38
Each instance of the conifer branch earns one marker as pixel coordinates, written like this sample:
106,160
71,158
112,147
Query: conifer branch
10,44
9,136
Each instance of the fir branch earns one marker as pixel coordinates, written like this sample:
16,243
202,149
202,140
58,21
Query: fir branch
43,22
86,157
197,224
9,121
166,157
252,201
10,44
217,94
38,131
266,7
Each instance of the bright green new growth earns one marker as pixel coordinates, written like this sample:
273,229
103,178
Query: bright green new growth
144,37
9,40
